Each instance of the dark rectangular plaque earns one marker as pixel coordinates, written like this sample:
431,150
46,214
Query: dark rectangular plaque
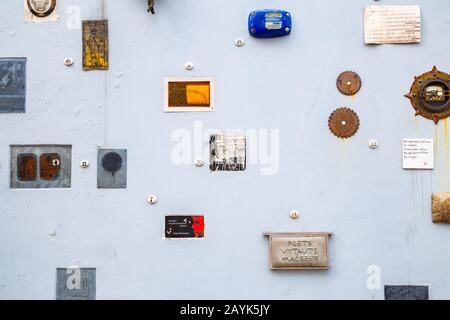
75,284
185,227
12,85
112,169
405,292
95,45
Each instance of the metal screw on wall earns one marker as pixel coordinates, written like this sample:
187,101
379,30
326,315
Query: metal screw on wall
373,144
239,42
151,199
189,65
294,214
84,164
199,163
68,62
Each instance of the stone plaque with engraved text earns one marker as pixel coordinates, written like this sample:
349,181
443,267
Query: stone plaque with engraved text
298,250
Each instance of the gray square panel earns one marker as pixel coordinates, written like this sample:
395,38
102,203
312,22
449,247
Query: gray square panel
112,169
41,166
12,85
75,284
405,292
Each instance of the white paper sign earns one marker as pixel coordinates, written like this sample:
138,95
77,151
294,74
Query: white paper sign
392,24
418,154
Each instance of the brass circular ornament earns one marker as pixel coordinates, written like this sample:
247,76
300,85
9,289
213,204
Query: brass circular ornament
349,83
343,122
430,95
41,8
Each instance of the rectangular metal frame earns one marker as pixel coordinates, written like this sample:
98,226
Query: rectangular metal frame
65,174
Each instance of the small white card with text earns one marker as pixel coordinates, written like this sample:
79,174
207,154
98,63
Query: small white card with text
418,154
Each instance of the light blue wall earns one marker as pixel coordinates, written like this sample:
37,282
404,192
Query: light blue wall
379,214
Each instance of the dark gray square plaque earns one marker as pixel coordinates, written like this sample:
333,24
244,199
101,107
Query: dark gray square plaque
112,169
75,284
12,85
406,292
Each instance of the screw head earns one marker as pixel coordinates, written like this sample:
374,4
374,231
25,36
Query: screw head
373,144
199,163
294,214
55,162
287,29
68,61
239,42
253,30
189,65
84,164
151,199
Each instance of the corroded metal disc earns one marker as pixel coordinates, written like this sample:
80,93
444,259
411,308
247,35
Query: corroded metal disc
348,83
430,95
41,9
343,122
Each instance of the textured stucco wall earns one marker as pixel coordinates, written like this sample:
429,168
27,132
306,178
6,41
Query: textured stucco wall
379,214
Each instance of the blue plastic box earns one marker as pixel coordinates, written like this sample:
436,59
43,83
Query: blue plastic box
269,23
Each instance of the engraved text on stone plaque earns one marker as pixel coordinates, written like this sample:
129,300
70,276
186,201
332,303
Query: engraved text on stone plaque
298,250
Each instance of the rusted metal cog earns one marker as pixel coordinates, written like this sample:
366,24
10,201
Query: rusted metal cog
430,95
348,83
343,122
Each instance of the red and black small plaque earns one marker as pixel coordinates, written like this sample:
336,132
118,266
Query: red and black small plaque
185,227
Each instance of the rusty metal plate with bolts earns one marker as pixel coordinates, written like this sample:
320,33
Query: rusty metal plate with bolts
75,284
298,251
26,167
227,152
112,169
348,83
343,122
95,45
41,166
430,95
12,85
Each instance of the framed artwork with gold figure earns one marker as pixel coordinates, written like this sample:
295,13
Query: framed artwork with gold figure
95,45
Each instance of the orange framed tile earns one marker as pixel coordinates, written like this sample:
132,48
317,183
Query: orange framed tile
194,94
